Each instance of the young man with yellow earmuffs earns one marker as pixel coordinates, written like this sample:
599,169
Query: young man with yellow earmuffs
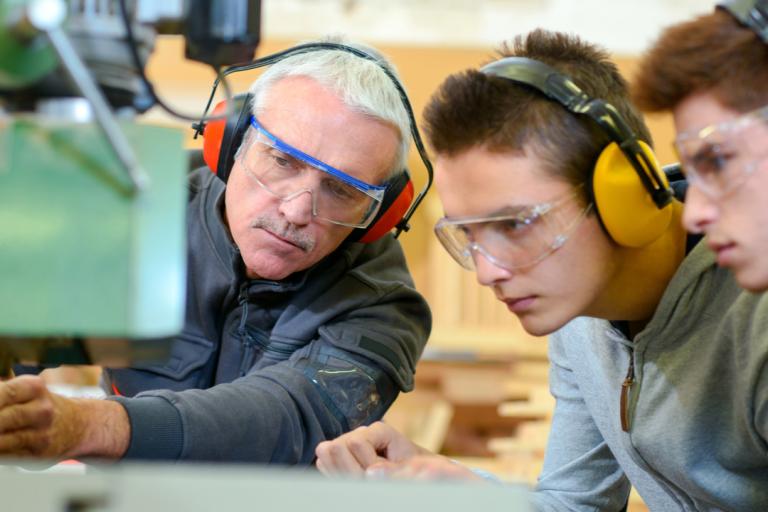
302,320
553,196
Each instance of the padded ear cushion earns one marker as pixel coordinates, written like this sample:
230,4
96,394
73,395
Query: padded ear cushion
623,203
222,137
397,199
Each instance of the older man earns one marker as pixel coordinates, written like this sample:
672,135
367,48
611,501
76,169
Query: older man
294,332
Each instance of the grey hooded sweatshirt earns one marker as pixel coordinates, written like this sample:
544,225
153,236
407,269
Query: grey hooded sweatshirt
697,410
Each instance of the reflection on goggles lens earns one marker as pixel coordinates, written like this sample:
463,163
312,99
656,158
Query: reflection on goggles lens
719,158
286,173
510,241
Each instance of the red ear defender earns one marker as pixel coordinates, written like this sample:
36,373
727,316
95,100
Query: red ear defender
212,135
397,200
222,137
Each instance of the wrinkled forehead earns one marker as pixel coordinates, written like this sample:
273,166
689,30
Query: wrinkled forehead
312,119
262,141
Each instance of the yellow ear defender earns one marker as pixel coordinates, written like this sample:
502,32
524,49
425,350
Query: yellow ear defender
626,209
630,190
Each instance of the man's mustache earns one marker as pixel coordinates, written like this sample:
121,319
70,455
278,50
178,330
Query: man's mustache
285,231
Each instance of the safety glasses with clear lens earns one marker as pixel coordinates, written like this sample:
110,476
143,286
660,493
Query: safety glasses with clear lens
721,157
516,240
287,172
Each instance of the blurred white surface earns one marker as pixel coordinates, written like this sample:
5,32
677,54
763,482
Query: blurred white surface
625,27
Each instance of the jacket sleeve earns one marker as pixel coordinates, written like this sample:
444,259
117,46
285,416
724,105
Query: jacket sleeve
580,472
346,376
276,414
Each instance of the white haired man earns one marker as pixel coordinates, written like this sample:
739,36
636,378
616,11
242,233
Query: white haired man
295,332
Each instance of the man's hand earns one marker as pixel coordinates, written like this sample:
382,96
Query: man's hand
355,451
37,423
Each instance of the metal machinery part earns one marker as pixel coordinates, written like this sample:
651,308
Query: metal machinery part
92,203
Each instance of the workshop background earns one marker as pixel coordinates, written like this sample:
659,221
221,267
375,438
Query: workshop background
481,394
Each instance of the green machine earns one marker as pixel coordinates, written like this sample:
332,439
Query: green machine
92,202
92,243
83,255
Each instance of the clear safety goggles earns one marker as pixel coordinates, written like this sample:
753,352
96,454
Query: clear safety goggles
721,157
512,241
287,172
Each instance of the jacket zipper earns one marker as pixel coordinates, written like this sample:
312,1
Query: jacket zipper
274,347
244,336
670,488
626,388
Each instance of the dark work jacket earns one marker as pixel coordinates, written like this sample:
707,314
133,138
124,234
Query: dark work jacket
265,370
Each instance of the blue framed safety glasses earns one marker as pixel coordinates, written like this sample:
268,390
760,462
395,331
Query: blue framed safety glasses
287,172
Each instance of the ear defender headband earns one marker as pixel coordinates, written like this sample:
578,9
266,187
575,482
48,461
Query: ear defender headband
750,13
630,191
223,133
